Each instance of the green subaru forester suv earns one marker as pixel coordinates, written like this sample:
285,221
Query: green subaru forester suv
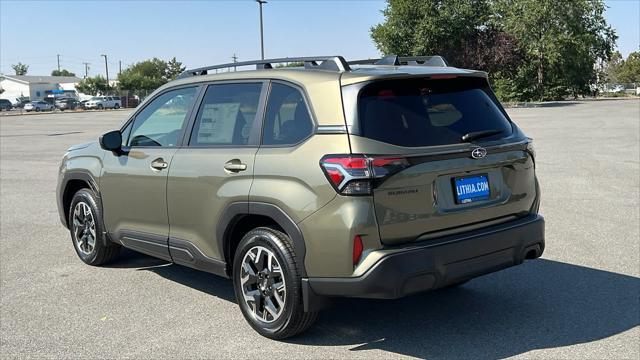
372,179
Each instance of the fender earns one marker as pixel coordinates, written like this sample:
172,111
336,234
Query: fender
235,211
62,187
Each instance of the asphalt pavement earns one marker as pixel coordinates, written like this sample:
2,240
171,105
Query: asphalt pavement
580,300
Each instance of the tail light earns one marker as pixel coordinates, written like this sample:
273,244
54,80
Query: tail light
359,174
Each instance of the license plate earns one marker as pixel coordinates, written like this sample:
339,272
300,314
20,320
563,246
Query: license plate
471,188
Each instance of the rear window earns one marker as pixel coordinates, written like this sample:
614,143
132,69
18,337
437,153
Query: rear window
428,112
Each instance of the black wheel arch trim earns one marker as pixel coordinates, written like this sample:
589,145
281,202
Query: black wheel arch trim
237,210
75,175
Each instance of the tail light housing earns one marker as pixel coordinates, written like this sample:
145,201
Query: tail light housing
353,174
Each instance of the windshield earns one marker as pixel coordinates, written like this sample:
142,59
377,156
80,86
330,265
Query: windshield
426,112
96,98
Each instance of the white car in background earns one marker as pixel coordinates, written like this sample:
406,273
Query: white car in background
103,102
38,106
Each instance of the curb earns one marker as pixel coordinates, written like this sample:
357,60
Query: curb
563,102
24,113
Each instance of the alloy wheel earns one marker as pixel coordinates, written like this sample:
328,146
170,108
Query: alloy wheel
263,284
84,228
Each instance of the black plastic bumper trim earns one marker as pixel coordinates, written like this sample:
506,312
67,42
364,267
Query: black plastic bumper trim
442,262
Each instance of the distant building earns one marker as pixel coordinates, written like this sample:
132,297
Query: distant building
38,87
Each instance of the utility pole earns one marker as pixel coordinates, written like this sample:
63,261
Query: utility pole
235,60
119,67
261,2
86,69
58,56
106,68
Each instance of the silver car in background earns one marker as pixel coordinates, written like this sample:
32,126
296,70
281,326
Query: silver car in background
38,106
103,102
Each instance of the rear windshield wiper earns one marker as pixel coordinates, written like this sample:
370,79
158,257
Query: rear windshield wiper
479,134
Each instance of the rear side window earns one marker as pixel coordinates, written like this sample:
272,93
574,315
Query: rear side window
427,112
287,120
226,115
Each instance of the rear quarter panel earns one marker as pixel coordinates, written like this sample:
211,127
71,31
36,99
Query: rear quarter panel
291,177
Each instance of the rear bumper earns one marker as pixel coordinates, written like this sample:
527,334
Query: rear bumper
439,263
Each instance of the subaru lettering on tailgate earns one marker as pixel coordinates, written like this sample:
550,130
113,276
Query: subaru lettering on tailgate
471,188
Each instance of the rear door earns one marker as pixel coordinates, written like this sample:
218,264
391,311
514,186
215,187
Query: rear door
458,163
214,170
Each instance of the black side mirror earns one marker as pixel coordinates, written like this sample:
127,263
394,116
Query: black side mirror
111,141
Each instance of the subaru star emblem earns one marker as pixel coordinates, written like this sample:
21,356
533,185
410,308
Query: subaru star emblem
478,153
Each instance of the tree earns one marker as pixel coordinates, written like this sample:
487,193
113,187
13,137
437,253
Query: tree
533,49
561,41
611,68
174,68
144,76
92,85
629,71
428,27
20,68
62,72
460,31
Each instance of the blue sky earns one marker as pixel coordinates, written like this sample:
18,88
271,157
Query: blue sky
202,32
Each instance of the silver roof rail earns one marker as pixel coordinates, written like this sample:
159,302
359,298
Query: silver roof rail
396,60
329,63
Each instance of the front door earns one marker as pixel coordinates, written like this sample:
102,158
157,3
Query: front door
133,184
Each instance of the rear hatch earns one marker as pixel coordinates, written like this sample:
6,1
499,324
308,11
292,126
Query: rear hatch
444,154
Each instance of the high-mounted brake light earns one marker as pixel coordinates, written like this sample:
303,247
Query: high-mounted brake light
358,174
386,94
443,76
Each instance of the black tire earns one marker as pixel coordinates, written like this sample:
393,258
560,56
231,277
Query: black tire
104,250
116,106
100,107
293,320
37,109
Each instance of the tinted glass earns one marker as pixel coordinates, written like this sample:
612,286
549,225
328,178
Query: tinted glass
226,114
422,112
287,120
160,123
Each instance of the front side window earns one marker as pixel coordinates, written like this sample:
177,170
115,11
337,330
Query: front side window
161,122
226,115
287,121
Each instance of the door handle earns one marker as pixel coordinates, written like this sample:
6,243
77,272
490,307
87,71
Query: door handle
235,166
159,164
